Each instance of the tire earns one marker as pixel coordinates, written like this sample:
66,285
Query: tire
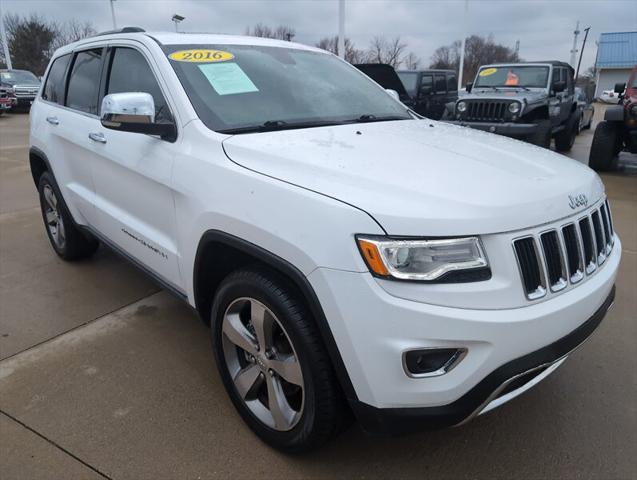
605,147
312,407
68,241
565,139
542,135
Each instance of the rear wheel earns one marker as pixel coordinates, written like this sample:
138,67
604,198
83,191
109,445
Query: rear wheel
273,363
605,147
565,139
66,238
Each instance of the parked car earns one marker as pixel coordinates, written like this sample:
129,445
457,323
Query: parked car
5,100
618,130
585,109
386,77
347,254
430,90
529,101
609,96
25,86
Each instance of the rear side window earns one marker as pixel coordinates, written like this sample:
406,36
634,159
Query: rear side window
55,82
452,83
84,82
131,73
427,81
440,84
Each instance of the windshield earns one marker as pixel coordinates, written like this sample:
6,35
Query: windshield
16,77
410,81
512,76
242,88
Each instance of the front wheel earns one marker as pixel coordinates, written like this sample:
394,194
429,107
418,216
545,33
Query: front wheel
605,147
542,135
273,363
565,139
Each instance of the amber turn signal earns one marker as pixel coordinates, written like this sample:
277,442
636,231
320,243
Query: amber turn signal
372,257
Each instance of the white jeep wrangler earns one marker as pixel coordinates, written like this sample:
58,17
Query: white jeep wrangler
349,255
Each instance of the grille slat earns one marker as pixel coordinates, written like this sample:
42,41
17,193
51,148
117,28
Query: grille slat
486,110
557,257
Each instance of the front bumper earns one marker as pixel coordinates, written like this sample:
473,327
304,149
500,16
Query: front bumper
373,327
507,128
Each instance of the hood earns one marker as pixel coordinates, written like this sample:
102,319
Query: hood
510,94
385,76
423,178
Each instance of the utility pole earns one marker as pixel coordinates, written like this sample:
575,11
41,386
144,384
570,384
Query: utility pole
517,47
113,14
464,41
582,52
3,37
574,49
341,29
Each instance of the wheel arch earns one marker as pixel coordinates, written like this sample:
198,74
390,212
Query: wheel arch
219,254
39,164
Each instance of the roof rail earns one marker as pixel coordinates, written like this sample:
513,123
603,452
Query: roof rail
121,30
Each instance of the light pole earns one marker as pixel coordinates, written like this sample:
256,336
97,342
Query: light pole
341,28
3,37
464,42
177,19
113,14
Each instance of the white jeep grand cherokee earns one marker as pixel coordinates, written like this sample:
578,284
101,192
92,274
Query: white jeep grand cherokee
348,254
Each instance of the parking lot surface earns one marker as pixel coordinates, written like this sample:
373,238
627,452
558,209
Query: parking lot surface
104,375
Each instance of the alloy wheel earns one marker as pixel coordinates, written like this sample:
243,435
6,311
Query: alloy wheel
54,220
263,364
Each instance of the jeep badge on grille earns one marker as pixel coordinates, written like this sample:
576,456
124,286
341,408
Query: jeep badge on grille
575,201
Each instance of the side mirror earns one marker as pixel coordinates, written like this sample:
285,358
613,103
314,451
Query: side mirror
134,112
393,94
559,86
620,87
468,87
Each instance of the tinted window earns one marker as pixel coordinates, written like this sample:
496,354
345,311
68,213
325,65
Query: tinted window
409,80
452,83
85,81
427,81
441,84
54,86
131,73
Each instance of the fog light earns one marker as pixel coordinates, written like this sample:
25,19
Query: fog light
431,362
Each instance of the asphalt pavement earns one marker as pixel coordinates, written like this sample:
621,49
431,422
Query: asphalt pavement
104,375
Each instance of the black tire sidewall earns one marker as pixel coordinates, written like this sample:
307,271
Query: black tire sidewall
47,179
603,148
299,438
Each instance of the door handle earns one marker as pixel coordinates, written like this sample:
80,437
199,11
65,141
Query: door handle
53,120
97,137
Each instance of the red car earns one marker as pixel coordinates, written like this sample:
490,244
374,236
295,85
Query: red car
618,131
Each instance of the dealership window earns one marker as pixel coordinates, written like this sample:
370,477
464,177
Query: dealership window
84,81
54,87
130,72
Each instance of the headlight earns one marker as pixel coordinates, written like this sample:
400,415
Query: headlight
462,106
424,260
514,107
633,110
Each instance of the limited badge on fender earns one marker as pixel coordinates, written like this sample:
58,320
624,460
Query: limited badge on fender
201,56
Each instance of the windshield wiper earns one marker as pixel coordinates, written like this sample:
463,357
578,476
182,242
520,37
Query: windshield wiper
517,86
274,125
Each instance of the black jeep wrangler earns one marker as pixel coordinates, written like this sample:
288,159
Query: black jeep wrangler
529,101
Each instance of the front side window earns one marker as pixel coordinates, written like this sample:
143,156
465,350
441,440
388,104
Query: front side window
129,72
513,76
440,84
452,83
55,82
84,81
243,88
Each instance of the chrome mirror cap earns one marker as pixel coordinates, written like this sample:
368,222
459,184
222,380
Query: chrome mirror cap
129,107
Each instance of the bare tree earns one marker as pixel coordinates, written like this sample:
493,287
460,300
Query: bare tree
352,54
386,51
282,32
72,31
478,51
411,61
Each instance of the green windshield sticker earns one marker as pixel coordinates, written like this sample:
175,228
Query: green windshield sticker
227,78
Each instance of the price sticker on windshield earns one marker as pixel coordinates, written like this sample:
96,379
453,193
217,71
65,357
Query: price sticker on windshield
487,71
201,56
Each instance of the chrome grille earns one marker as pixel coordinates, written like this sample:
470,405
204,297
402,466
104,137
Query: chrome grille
488,110
559,256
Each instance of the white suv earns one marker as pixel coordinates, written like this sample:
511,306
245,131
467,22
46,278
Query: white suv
349,255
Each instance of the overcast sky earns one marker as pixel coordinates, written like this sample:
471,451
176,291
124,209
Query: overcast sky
544,28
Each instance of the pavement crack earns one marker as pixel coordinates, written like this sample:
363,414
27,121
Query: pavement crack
56,445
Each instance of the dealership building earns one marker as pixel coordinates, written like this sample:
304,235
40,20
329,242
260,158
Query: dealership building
616,57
